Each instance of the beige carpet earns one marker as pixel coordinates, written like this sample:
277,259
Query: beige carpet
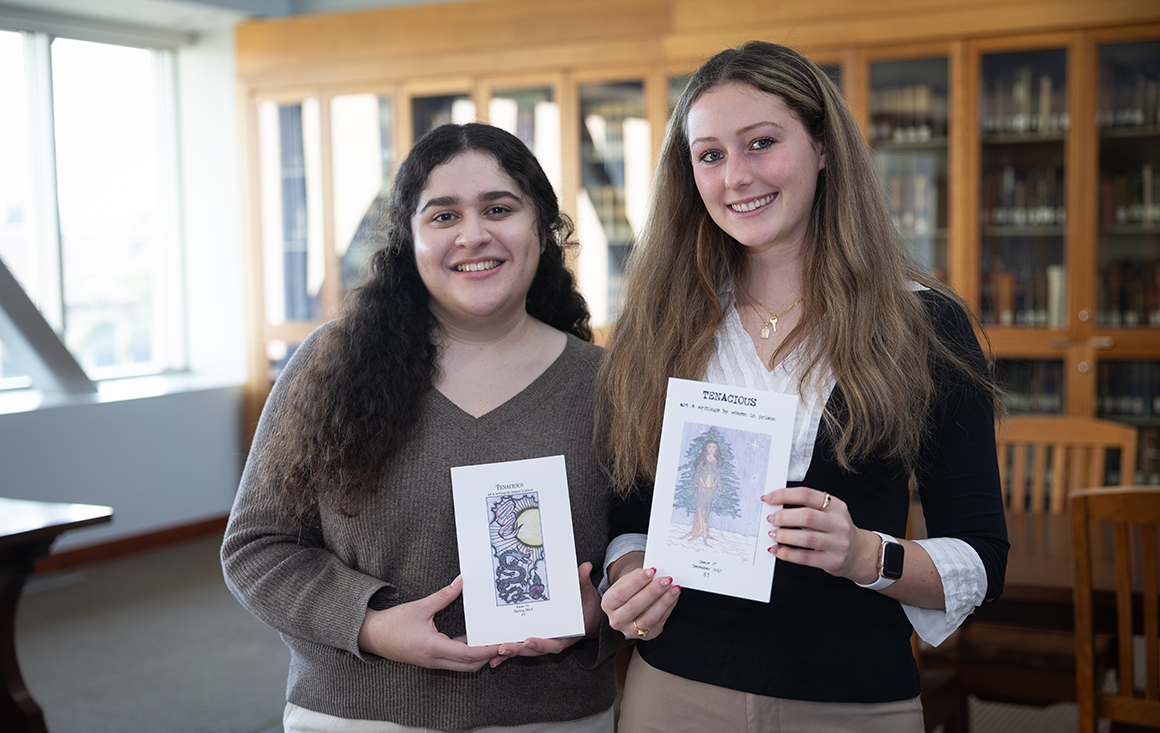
151,643
154,643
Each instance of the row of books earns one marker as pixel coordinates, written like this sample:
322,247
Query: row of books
1129,294
1031,387
1128,388
907,114
1128,98
1032,297
912,190
1018,292
1131,197
1124,388
1023,197
1022,104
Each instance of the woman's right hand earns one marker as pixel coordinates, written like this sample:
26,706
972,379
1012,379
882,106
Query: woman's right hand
407,633
638,603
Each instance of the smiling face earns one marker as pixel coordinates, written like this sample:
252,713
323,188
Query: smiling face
476,245
755,165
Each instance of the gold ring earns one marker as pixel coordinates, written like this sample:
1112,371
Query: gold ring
639,631
825,501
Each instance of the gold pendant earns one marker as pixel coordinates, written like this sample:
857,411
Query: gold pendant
773,322
765,332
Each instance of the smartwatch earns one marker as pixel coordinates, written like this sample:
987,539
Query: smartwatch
890,560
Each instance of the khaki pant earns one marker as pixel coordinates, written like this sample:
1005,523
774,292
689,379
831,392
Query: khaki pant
658,702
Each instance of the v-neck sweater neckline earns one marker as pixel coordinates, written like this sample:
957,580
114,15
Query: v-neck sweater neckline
539,389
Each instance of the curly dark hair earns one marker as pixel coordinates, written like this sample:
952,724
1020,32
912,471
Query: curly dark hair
352,405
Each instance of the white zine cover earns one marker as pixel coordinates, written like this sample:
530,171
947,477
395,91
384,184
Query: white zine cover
722,448
517,553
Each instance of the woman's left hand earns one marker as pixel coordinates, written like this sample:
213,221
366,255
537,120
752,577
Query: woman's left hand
532,647
820,533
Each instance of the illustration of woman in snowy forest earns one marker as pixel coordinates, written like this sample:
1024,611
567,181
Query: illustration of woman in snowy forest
707,479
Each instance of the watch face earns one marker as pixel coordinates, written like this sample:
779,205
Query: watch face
892,554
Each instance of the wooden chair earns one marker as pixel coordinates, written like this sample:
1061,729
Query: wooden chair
1134,513
944,703
1041,461
1078,458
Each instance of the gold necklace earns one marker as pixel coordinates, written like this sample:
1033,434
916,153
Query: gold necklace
772,320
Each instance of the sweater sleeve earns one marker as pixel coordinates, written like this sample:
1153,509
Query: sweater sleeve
958,474
279,566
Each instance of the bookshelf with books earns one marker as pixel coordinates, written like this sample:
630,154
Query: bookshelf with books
1020,150
1128,118
1129,391
1125,319
908,129
1023,125
1067,141
1032,387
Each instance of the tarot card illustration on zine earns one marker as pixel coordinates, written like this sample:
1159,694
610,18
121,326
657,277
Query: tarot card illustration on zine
517,549
512,520
717,498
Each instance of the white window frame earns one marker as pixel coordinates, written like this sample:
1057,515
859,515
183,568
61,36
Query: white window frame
32,335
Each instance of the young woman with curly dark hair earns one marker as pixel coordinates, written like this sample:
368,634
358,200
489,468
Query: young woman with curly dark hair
468,343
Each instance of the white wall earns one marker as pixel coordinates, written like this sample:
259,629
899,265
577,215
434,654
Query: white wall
169,455
211,195
160,462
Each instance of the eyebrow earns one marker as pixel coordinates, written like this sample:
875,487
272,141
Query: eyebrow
483,199
742,130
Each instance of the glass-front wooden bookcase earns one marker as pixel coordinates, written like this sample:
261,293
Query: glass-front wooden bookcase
1024,172
1062,144
1019,137
909,131
1126,228
1022,166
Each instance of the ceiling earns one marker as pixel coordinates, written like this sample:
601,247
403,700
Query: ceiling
193,15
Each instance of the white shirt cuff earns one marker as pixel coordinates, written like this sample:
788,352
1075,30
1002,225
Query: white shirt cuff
964,582
618,548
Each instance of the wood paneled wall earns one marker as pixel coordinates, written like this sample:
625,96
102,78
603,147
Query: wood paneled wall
517,36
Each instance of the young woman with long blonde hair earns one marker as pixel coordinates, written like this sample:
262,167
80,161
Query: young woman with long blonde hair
768,260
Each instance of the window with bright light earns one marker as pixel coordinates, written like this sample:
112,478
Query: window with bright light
16,183
362,157
88,198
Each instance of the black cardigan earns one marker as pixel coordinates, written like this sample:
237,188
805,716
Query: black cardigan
822,638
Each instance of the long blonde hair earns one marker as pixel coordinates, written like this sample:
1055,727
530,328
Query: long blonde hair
865,323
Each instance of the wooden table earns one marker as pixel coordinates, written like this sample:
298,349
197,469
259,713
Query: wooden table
27,530
1037,591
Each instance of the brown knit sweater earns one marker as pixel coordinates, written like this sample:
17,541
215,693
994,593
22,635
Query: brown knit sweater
314,584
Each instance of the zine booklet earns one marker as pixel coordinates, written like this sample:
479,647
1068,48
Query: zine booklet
517,552
722,448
